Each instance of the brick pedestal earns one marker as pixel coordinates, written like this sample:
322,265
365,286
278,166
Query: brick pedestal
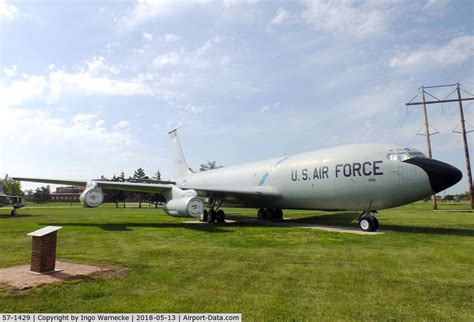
43,256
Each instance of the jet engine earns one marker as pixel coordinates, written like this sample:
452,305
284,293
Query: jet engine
92,197
184,207
183,203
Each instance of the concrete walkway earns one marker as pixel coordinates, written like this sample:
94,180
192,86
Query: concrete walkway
21,278
293,223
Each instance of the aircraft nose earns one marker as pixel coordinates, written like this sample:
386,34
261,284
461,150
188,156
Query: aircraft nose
441,175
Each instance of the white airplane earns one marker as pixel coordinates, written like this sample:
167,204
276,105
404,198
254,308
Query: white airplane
359,177
15,201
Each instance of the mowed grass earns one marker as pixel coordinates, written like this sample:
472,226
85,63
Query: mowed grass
422,270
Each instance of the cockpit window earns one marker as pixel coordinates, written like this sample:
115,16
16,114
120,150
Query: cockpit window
417,155
392,156
403,156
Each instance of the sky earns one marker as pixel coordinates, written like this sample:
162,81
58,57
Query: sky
91,88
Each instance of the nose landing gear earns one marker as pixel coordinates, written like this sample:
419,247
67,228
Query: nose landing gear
368,222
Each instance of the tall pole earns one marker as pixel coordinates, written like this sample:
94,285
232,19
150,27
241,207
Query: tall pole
466,149
428,139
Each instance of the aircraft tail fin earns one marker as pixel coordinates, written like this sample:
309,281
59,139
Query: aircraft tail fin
3,187
180,167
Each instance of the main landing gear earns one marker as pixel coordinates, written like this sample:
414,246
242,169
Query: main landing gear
214,214
272,213
13,212
368,222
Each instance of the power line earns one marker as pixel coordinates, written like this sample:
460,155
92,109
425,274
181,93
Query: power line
463,132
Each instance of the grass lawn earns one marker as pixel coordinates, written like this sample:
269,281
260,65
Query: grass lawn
422,270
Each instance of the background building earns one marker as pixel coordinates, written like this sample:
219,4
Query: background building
67,194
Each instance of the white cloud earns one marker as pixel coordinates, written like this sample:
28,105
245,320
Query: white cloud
147,36
114,70
8,11
84,118
20,91
85,130
171,37
138,52
98,79
61,81
147,9
10,72
191,108
456,50
51,66
267,107
435,5
356,19
203,49
121,125
170,58
281,16
96,65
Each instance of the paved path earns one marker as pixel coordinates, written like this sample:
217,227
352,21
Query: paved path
20,277
292,223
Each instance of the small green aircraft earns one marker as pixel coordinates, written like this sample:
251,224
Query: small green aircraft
15,201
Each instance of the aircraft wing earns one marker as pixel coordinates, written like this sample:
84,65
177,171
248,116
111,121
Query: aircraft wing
14,197
156,187
78,183
229,193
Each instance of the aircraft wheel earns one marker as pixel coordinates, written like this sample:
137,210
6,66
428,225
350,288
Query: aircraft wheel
271,213
261,214
279,214
220,216
367,223
376,223
13,213
275,214
211,216
203,216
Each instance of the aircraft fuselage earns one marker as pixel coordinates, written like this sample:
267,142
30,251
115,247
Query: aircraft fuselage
351,177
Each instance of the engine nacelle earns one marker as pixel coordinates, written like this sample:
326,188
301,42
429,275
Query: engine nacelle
92,197
187,206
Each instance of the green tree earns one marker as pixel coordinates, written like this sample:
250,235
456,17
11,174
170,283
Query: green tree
157,175
140,174
12,187
42,194
29,193
122,195
210,165
115,195
449,198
